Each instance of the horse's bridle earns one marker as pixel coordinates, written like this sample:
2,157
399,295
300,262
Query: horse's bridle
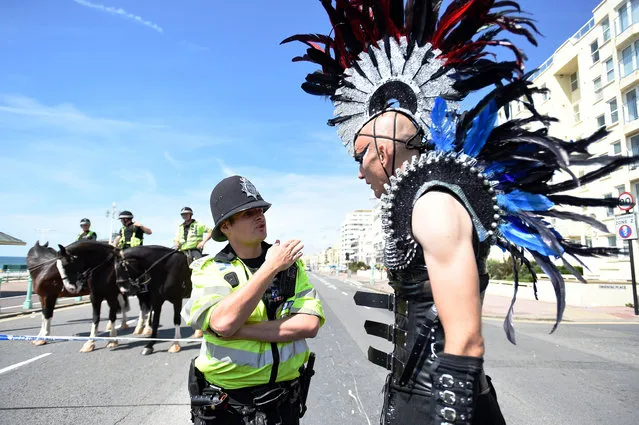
141,283
84,276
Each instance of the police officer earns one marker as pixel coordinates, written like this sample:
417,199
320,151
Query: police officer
131,233
191,235
256,307
85,224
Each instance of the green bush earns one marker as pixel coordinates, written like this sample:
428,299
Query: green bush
353,267
503,270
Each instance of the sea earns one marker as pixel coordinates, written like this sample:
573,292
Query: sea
12,260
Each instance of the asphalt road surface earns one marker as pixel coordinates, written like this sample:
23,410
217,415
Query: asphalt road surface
582,374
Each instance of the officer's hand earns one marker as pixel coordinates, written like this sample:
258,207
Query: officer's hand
281,257
137,224
200,245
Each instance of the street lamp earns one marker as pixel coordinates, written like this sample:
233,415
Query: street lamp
110,215
43,232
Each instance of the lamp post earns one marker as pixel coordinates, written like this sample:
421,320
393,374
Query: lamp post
110,215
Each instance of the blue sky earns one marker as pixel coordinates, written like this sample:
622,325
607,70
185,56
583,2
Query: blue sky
150,103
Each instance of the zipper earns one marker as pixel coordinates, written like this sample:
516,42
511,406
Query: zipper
271,316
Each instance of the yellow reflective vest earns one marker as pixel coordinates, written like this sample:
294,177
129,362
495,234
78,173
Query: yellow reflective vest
195,235
233,364
135,237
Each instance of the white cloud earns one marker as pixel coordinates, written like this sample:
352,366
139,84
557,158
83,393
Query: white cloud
122,13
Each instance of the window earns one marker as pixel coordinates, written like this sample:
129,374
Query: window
614,114
628,14
575,113
616,148
589,242
545,95
597,85
634,145
612,241
610,70
594,51
629,59
574,82
611,211
601,121
605,29
630,106
620,189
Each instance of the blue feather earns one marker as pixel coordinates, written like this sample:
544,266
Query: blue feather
442,128
480,130
526,239
518,200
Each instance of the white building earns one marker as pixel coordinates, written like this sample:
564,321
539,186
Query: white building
352,236
593,82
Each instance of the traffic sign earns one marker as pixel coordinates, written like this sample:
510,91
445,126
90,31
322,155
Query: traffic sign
626,201
626,225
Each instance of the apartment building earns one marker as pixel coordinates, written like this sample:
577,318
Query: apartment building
593,82
352,232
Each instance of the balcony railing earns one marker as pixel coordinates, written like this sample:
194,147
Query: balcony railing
583,30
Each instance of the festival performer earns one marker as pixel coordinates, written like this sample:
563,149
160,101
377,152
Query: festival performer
191,235
256,307
87,233
451,184
132,232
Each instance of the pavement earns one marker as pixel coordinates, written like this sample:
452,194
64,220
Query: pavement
496,306
576,376
13,295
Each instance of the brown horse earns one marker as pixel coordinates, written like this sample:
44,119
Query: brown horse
42,262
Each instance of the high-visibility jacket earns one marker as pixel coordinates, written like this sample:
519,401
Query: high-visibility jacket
233,364
130,236
194,235
88,235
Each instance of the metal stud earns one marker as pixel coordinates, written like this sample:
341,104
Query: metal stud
493,225
496,216
496,207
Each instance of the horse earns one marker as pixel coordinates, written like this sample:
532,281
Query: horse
87,264
47,283
161,272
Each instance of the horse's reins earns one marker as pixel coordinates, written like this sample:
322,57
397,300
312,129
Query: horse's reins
88,272
40,265
137,282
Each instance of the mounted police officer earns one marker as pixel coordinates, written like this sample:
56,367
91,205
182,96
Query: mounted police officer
131,233
191,235
87,233
256,306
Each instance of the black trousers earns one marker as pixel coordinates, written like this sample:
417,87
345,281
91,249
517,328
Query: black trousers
404,407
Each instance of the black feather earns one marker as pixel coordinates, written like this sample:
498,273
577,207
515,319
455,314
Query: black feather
566,215
558,284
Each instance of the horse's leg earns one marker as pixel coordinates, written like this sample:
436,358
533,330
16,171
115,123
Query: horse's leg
113,309
122,301
157,309
90,344
48,304
177,320
142,314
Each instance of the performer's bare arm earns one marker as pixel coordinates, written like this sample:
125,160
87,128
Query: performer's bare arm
444,229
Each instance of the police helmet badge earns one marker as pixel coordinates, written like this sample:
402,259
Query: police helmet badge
249,189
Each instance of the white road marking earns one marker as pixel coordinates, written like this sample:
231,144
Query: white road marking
344,293
17,365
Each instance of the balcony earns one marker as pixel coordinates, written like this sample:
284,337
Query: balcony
625,29
631,117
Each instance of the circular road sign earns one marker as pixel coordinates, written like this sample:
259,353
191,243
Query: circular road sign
626,201
625,231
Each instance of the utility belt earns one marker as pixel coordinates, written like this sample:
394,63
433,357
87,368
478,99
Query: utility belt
207,398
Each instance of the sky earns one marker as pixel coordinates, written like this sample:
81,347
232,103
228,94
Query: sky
150,103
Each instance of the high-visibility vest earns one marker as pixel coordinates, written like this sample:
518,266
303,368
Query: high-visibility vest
88,235
195,235
233,364
133,239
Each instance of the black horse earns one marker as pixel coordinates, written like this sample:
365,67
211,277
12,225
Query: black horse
161,272
88,264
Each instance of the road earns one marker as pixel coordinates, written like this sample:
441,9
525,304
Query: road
582,374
